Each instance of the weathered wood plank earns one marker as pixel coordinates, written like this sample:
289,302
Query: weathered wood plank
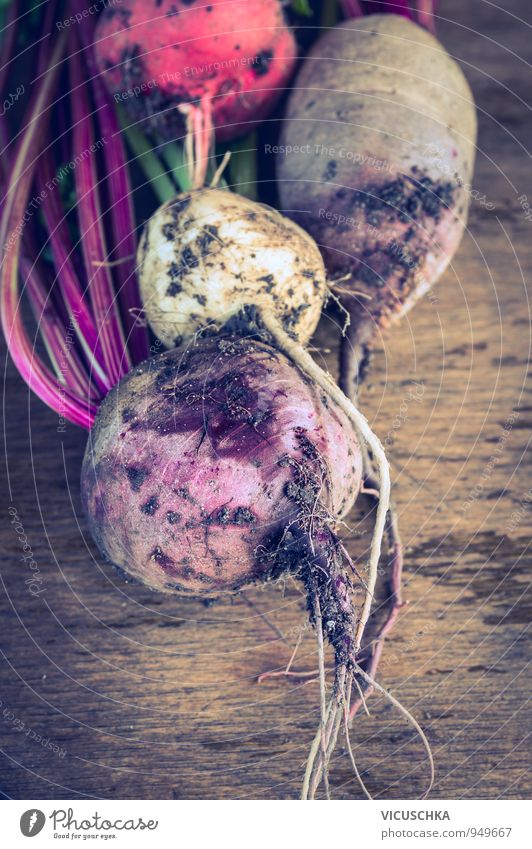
146,696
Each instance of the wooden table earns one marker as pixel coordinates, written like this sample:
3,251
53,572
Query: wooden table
111,691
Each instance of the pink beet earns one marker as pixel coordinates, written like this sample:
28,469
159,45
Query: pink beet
222,465
235,57
203,468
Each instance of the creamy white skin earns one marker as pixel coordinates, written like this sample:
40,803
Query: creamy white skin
205,255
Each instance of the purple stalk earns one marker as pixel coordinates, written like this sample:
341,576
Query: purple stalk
52,324
74,298
392,7
123,228
34,372
7,37
398,7
7,40
48,27
4,144
351,8
426,14
93,243
421,11
75,306
63,356
121,202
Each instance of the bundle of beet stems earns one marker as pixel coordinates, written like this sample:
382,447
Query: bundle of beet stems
92,293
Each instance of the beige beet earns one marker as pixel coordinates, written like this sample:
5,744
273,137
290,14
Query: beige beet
386,128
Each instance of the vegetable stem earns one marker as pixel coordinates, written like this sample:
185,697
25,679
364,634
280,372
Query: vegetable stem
243,166
120,197
93,242
157,176
174,155
56,337
329,13
35,373
75,300
8,31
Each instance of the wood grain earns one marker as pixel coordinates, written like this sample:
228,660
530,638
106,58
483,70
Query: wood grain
146,696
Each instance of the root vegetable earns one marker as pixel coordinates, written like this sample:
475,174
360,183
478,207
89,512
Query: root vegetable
209,469
234,57
253,245
382,183
383,125
216,467
206,255
262,263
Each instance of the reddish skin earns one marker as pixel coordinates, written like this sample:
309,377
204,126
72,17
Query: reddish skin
174,50
185,479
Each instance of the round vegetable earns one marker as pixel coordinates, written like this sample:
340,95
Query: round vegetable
157,54
215,467
245,455
206,255
260,265
205,468
375,161
384,161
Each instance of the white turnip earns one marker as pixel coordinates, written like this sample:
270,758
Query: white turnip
206,255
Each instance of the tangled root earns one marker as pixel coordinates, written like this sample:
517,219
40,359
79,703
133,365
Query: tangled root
329,588
332,612
366,436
